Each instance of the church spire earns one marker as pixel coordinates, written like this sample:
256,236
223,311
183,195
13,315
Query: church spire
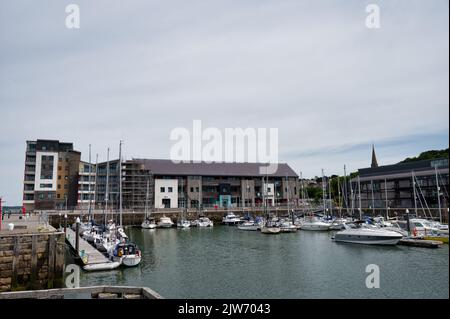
374,158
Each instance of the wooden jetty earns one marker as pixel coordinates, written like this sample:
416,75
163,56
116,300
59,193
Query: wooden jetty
95,292
90,256
420,243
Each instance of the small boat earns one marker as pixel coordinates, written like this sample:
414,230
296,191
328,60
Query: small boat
149,223
165,222
270,230
249,225
127,254
183,223
442,238
204,222
102,266
231,219
358,233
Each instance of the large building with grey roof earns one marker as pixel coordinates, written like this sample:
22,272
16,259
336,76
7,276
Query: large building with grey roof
194,184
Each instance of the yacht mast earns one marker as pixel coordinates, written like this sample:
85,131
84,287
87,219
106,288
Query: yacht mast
386,195
120,182
329,195
89,184
438,194
146,198
107,185
414,192
359,198
95,181
339,197
323,194
345,190
373,199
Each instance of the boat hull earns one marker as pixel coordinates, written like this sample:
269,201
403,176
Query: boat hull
131,260
250,228
270,230
368,239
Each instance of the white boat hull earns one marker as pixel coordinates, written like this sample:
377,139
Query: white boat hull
248,227
270,230
131,260
102,266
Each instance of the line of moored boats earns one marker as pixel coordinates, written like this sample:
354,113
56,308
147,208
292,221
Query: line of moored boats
374,231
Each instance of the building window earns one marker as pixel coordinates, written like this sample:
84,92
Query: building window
46,186
58,196
59,176
41,196
163,189
59,186
197,189
192,189
66,186
170,189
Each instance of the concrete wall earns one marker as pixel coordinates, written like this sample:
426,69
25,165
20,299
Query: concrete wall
31,261
159,196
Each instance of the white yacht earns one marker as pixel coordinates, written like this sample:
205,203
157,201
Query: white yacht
204,222
127,254
359,233
183,223
312,223
231,219
165,222
149,223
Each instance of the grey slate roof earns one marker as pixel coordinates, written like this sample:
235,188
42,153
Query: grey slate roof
167,167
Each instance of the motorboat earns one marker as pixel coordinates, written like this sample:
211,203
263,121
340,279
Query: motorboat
248,225
312,223
183,223
127,253
165,222
204,222
231,219
149,223
423,227
359,233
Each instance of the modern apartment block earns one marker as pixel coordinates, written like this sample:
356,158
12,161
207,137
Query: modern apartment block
50,175
224,185
391,186
86,185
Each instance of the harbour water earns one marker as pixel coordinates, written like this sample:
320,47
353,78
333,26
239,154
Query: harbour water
224,262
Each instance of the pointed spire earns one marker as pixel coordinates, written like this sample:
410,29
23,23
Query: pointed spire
374,158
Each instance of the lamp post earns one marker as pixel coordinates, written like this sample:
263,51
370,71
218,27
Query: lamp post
77,237
65,223
60,220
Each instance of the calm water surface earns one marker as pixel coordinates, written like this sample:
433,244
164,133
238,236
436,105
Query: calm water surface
224,262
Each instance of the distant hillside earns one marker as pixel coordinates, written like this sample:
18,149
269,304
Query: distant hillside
433,154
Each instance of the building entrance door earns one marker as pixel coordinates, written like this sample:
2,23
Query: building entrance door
166,202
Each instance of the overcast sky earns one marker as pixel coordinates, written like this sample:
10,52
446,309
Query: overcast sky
135,70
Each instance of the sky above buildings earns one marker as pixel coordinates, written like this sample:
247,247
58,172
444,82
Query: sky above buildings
135,70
